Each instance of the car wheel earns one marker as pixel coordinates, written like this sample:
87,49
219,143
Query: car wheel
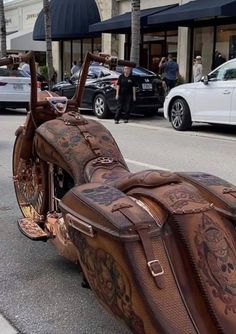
100,107
180,115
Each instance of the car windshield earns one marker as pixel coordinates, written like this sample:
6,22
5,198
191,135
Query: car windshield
225,72
7,72
93,73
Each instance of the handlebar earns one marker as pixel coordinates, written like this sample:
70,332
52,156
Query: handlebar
102,58
29,58
110,60
16,59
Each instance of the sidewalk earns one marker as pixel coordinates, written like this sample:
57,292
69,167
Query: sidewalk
5,327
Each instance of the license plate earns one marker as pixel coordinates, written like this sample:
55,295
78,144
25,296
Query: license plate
18,86
147,86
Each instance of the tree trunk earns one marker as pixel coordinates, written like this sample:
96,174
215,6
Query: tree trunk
3,51
135,31
48,39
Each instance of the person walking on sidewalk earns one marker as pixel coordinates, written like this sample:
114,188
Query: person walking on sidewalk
125,94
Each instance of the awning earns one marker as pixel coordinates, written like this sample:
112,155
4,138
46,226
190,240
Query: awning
70,20
23,41
122,23
194,10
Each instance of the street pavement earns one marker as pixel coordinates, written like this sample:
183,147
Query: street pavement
40,292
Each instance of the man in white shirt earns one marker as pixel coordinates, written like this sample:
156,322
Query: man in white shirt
26,68
74,68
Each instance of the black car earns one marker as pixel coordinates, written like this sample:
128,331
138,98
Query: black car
99,93
42,81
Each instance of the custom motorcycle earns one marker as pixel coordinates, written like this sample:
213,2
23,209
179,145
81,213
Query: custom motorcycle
157,248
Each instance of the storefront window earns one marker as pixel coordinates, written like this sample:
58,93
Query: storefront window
76,49
66,58
226,41
154,36
156,45
172,43
203,46
97,44
87,46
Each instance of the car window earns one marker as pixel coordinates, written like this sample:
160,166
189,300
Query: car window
224,73
139,71
93,73
6,72
98,72
142,71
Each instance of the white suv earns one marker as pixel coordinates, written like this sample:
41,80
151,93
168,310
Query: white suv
212,100
14,88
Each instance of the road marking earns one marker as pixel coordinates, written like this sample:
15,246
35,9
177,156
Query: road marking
142,164
5,327
186,133
214,136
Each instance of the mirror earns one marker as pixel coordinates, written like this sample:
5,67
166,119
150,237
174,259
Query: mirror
205,80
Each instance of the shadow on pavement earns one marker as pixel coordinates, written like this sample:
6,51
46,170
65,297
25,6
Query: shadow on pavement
9,112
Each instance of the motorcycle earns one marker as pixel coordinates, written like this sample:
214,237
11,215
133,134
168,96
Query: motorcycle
157,248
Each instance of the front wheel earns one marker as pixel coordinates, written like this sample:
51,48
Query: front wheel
100,107
180,115
30,182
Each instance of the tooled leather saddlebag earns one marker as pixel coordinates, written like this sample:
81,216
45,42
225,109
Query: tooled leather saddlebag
216,190
140,254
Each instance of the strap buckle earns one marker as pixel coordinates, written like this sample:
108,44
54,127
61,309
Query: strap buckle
156,268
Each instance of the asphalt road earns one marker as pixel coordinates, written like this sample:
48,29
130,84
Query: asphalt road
40,292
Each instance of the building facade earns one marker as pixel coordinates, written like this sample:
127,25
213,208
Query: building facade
211,30
202,35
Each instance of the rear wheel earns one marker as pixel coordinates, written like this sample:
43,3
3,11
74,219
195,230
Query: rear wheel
100,107
180,115
30,182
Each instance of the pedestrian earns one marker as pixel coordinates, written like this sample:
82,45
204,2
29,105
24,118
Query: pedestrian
171,71
25,67
125,94
197,69
74,68
219,60
54,76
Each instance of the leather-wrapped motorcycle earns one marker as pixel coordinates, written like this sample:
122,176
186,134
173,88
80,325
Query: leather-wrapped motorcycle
157,248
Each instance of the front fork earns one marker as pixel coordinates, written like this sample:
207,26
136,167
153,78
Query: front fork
53,200
51,187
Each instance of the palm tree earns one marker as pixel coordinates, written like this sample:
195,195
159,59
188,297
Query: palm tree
48,39
135,31
3,51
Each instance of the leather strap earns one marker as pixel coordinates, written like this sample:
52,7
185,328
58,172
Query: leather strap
141,227
76,119
93,143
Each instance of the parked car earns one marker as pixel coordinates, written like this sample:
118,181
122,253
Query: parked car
42,81
212,100
99,93
14,88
